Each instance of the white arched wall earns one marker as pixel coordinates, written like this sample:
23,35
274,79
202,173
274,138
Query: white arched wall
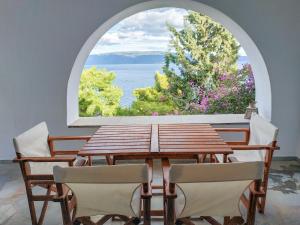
262,81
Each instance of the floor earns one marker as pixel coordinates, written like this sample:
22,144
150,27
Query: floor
283,203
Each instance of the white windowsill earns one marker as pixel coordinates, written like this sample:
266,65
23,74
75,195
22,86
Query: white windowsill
125,120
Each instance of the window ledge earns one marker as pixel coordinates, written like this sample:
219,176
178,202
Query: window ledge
125,120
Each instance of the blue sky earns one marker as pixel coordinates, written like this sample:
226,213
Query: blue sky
144,31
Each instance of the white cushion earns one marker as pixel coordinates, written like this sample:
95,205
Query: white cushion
33,142
243,156
262,132
45,167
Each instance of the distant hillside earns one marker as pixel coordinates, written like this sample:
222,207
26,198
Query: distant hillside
126,58
135,58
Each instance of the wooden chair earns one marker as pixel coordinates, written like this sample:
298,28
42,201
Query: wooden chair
110,190
210,189
37,157
259,144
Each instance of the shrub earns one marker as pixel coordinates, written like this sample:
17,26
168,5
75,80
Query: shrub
97,95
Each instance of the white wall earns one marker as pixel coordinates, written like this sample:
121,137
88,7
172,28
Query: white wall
39,41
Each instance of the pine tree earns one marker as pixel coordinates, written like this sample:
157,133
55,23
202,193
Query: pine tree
199,54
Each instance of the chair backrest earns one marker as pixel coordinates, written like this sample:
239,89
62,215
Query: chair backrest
102,190
212,189
33,142
262,132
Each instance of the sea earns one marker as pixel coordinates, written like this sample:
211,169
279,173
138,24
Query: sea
132,76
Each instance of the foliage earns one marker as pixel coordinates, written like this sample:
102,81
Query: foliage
97,95
151,100
234,94
201,52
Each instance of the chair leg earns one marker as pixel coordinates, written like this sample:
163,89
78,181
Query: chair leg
31,208
31,203
226,220
90,161
170,212
185,221
201,158
261,203
236,220
109,161
210,220
252,204
45,206
147,211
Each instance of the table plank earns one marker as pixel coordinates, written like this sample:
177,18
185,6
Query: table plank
165,140
196,138
154,139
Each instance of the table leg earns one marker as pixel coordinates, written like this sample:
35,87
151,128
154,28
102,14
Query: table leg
225,156
109,161
90,160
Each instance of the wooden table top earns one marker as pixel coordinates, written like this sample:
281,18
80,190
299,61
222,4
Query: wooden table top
162,140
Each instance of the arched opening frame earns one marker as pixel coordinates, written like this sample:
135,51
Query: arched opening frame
262,81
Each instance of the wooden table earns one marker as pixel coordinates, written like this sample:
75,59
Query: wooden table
155,141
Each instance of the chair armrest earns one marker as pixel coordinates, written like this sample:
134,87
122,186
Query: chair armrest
45,159
52,139
68,138
65,152
253,147
166,179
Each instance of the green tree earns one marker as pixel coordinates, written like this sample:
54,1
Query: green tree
151,100
97,95
200,53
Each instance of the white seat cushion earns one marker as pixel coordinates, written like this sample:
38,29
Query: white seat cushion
243,156
45,167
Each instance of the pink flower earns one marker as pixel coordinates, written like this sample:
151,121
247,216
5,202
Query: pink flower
223,77
155,114
204,104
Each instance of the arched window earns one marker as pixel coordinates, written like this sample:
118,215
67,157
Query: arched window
166,61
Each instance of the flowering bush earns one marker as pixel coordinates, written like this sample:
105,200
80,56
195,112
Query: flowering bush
233,94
